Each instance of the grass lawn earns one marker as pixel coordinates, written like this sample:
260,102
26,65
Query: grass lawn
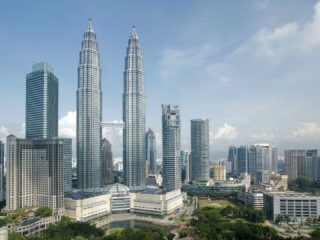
215,203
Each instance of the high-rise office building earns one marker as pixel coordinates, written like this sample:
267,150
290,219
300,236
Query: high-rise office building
200,162
134,159
67,163
89,113
187,167
185,163
242,154
171,144
151,150
256,159
41,102
1,171
302,163
35,173
106,162
233,159
42,111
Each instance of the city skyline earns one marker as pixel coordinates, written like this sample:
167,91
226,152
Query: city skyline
238,116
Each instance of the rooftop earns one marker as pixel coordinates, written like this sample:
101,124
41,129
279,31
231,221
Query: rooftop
292,194
151,190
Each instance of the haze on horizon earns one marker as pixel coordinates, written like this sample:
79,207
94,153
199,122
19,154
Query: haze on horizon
251,67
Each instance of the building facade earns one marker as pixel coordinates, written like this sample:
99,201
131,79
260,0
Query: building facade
106,162
257,160
67,163
185,163
35,174
219,172
233,159
171,144
2,194
298,206
151,151
89,112
242,154
117,198
254,199
41,102
200,160
302,163
134,159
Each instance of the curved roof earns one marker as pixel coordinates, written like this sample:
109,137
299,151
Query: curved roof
118,189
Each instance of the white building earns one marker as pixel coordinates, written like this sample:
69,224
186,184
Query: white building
116,198
298,206
219,172
254,199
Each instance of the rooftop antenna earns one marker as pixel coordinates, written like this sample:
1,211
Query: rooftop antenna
133,18
90,14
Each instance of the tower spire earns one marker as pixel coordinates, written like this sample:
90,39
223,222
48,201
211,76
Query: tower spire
89,26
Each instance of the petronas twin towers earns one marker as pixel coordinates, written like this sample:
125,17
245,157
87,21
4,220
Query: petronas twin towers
89,114
134,118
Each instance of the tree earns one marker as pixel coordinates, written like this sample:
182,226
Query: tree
315,234
279,219
15,236
2,222
43,212
287,218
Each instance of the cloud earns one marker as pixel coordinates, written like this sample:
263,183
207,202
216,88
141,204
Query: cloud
307,130
67,125
225,132
311,31
3,133
290,36
265,136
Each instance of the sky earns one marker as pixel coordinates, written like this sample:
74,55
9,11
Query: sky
251,67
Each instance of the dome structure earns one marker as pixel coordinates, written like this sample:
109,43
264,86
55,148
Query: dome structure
118,189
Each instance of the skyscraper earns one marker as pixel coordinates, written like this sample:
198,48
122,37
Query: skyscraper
89,112
232,157
134,159
242,154
106,162
300,162
171,144
1,171
41,102
35,173
200,162
255,159
151,150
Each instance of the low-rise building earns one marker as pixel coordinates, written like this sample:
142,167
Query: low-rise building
90,204
87,205
254,199
298,206
32,226
204,188
4,233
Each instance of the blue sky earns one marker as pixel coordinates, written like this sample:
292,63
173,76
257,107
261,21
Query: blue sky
251,67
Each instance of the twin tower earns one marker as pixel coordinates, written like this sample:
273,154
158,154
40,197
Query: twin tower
89,114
